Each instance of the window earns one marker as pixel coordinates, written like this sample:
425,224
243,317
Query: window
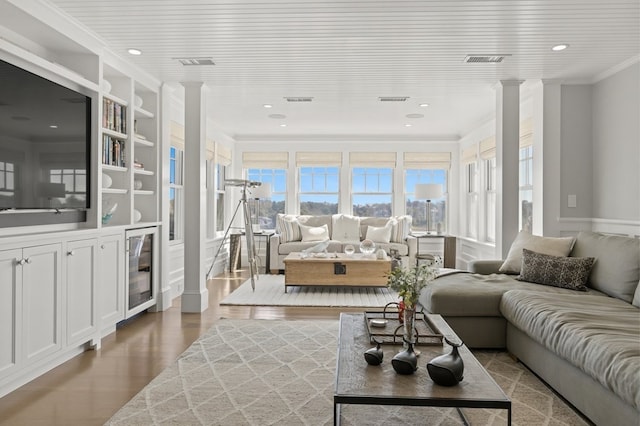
471,200
526,188
319,190
417,208
176,194
220,176
372,191
269,208
490,198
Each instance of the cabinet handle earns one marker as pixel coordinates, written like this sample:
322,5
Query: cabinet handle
21,262
28,260
71,253
102,246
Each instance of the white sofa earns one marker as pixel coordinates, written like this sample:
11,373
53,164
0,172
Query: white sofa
387,233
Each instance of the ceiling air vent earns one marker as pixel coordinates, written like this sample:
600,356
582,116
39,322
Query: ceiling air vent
485,59
299,99
393,98
189,62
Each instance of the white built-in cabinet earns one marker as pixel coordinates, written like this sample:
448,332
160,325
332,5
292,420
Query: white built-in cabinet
111,281
30,305
81,259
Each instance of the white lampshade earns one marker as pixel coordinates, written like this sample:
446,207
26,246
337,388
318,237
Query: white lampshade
262,192
428,191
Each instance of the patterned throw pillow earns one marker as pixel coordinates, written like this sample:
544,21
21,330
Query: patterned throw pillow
558,271
401,229
288,228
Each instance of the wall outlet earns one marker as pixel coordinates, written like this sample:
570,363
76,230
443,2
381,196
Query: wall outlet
572,201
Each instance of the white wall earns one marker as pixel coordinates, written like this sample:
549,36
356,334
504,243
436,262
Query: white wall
616,146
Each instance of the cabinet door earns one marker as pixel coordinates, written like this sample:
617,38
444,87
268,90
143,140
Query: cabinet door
81,290
41,297
10,310
111,280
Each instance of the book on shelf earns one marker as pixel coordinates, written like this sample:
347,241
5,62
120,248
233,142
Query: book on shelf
114,116
113,152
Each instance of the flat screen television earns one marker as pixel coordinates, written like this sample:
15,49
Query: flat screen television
45,143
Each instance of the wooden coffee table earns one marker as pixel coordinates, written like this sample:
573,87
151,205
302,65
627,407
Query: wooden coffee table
359,383
336,269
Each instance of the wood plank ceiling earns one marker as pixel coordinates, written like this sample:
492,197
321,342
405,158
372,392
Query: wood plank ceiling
345,54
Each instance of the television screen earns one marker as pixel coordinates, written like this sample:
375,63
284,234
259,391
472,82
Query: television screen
45,141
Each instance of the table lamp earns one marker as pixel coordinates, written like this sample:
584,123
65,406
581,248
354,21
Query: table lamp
262,192
428,191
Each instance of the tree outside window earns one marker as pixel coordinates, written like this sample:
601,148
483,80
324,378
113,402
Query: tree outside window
417,208
372,191
319,189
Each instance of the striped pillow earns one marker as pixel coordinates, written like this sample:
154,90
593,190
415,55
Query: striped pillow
401,228
288,228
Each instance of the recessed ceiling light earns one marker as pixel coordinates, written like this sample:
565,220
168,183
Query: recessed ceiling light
559,47
283,125
414,115
267,106
53,126
408,125
135,52
424,105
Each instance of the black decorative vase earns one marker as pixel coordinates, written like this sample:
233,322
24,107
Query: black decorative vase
405,362
448,369
374,356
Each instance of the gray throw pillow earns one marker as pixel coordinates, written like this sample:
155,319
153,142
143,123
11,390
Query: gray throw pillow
558,271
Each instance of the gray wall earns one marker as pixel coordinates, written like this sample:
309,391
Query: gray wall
576,174
616,145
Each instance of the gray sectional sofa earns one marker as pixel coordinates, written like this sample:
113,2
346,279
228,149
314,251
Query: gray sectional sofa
342,230
585,344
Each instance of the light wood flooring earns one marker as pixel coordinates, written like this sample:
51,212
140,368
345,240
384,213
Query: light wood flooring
90,388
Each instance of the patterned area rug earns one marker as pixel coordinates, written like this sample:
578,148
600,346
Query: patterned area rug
270,292
276,372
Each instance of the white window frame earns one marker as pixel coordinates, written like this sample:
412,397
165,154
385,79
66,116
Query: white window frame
471,198
372,180
525,185
490,199
323,172
176,155
219,176
425,175
269,175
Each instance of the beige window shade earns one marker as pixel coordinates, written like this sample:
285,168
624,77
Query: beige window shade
318,159
211,149
223,154
373,159
177,135
526,133
488,148
427,160
271,160
470,155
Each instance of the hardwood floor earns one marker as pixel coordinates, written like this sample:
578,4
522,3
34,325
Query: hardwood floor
90,388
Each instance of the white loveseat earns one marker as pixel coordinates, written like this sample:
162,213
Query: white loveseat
295,233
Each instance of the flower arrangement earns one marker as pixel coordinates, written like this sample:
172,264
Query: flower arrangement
409,282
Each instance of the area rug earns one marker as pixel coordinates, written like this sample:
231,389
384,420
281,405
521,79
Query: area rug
277,372
269,291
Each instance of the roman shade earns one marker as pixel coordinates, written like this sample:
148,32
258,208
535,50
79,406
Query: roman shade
223,154
372,159
488,148
318,159
470,154
269,160
177,135
526,133
427,160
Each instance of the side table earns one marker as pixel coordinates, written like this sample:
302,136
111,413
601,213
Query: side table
449,252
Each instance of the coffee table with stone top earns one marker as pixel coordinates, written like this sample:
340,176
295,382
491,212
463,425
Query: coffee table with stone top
359,383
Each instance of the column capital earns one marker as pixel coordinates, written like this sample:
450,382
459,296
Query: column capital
511,82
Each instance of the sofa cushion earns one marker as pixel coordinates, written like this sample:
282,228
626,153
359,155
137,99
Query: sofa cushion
566,272
597,334
560,246
366,222
314,233
345,227
288,228
636,297
616,270
401,228
380,234
464,294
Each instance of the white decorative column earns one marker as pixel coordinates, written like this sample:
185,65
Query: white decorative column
507,164
196,296
547,138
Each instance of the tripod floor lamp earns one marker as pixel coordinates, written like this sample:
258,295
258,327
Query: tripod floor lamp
428,191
